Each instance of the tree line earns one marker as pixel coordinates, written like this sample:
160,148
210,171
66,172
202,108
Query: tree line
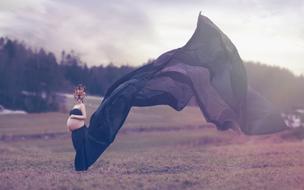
279,85
29,79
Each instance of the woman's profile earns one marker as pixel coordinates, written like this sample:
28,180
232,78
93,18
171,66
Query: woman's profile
76,125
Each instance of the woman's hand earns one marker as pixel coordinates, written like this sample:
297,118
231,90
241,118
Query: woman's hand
79,117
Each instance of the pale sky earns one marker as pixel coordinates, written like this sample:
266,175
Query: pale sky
131,32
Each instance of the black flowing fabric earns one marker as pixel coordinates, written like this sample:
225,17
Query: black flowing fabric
79,141
207,68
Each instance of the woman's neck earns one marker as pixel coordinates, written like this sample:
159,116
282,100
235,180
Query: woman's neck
77,104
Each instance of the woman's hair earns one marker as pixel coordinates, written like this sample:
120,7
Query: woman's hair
79,92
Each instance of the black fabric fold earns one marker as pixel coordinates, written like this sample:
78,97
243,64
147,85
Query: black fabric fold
207,68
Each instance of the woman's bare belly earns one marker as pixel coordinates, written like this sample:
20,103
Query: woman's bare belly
73,124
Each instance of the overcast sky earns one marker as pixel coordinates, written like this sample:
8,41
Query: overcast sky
131,32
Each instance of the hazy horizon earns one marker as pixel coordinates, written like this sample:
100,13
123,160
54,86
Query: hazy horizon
129,32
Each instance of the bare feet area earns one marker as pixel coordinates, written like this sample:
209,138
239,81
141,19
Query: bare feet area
158,148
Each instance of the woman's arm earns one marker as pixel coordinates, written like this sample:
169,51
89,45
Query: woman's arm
80,117
84,113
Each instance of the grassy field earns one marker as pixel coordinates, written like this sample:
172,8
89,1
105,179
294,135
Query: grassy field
158,148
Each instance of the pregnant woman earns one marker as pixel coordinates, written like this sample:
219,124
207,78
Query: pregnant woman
76,125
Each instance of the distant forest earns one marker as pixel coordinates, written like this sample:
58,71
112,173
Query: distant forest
29,79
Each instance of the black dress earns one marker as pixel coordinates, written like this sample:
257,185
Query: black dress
79,143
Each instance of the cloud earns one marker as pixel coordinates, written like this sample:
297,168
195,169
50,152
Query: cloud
100,32
127,31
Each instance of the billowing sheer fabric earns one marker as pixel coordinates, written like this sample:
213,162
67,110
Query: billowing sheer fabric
207,68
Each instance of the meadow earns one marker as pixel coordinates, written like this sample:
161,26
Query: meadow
157,148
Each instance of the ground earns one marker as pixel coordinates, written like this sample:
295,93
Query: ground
157,148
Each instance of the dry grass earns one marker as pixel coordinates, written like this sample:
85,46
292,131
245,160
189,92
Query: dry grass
177,152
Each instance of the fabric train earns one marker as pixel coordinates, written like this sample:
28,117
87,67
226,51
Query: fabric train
207,68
